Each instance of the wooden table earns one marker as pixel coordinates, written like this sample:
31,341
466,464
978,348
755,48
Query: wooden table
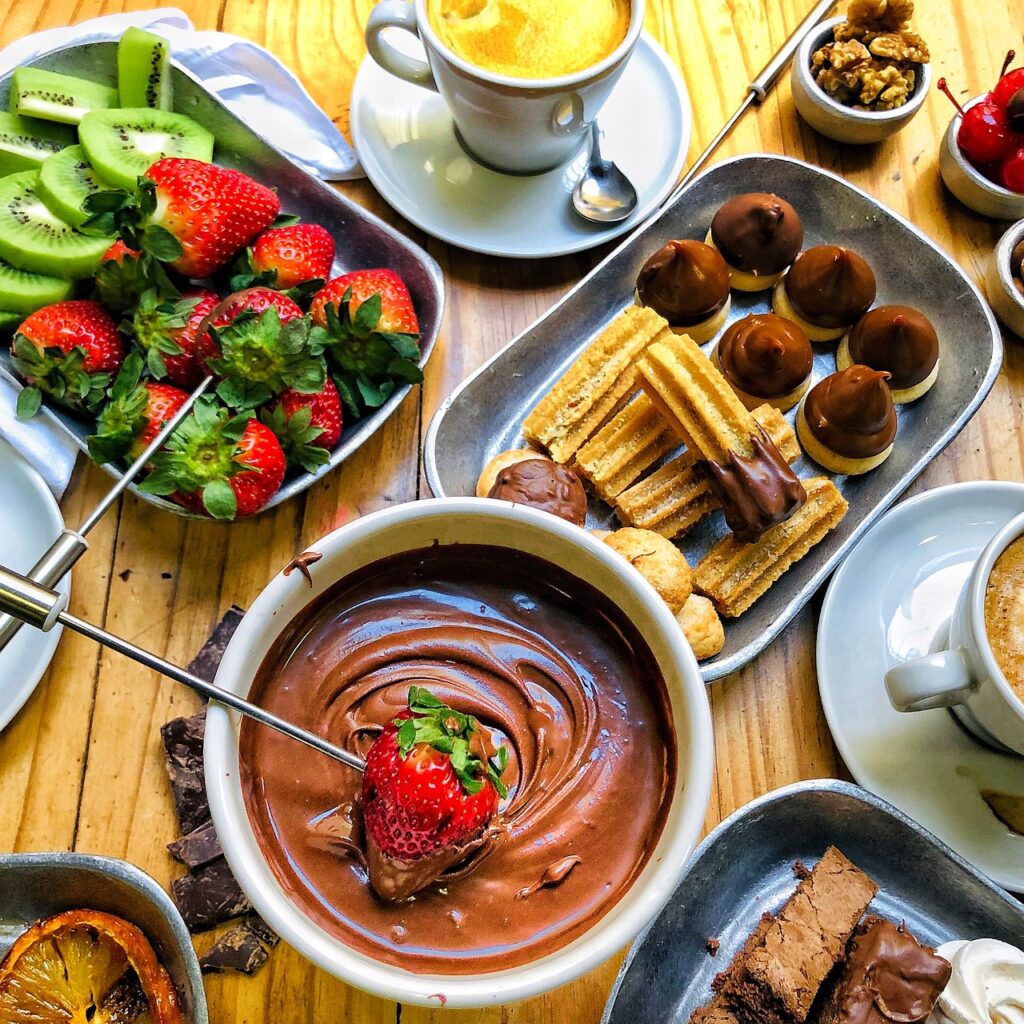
80,767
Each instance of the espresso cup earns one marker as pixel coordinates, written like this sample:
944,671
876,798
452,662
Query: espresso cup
515,125
965,676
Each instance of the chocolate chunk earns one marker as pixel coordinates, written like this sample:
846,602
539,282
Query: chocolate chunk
713,947
263,931
207,661
183,744
238,949
209,896
125,1003
199,847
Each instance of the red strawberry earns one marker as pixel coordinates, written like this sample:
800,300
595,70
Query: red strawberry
218,465
427,795
118,251
291,255
397,315
125,274
69,350
308,426
167,330
251,300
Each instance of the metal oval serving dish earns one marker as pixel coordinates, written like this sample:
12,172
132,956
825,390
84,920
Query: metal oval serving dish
910,269
363,240
38,885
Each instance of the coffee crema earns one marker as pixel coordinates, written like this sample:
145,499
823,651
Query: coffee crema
1004,614
531,38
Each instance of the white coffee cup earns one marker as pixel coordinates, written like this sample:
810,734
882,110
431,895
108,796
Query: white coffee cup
518,125
965,675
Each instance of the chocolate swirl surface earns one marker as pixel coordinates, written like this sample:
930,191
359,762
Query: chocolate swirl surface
551,668
898,339
685,281
830,286
758,233
851,412
765,355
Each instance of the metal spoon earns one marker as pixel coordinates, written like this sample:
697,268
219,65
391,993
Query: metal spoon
603,194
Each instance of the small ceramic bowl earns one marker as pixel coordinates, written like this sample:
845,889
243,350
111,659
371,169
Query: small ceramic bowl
969,185
1006,301
830,117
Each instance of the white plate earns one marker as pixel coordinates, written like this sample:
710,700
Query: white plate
406,143
885,604
30,522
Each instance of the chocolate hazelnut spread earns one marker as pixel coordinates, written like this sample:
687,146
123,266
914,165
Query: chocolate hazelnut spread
851,412
550,668
758,233
897,339
765,355
686,282
830,286
543,484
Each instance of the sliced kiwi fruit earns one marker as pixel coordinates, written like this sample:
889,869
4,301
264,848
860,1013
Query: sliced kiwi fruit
144,70
36,92
65,179
123,144
34,239
25,143
10,321
22,292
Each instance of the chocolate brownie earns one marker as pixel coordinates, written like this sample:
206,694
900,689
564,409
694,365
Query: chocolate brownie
717,1011
887,977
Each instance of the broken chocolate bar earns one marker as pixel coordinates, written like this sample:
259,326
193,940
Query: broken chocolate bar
238,949
207,661
183,744
209,896
199,847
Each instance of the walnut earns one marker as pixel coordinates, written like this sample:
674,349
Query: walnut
884,87
843,56
898,46
879,15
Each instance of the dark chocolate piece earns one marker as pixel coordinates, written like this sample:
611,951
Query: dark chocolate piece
686,282
543,484
851,412
209,896
199,847
238,949
263,931
207,661
758,233
897,339
125,1003
765,355
183,744
830,286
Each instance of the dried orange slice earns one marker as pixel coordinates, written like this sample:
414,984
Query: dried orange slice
77,968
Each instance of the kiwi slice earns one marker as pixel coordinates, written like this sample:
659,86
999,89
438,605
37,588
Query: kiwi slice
36,92
26,143
144,70
24,293
34,239
65,179
10,321
123,144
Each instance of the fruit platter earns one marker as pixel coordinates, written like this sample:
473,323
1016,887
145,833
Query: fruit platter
286,230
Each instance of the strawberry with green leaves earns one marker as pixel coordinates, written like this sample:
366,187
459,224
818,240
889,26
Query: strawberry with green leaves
429,791
125,274
69,350
395,314
290,255
218,465
308,426
167,330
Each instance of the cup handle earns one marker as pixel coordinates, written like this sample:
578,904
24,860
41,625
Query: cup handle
934,681
397,14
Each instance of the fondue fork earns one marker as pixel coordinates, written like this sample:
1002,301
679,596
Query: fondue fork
35,605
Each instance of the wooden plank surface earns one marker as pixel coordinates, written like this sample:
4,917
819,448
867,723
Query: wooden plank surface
80,766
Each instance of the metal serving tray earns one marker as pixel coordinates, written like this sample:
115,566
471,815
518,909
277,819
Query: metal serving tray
490,406
363,240
744,868
38,885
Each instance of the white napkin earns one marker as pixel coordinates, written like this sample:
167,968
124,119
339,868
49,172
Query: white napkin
254,84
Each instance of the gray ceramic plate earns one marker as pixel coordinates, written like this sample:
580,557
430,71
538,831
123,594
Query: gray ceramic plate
911,269
744,868
362,239
38,885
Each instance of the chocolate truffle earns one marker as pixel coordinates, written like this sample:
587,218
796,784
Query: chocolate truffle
765,357
543,484
827,290
687,283
847,422
759,234
899,340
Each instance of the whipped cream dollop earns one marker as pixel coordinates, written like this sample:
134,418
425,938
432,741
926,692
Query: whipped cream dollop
987,984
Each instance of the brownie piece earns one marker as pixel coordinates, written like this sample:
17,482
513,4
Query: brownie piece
887,977
717,1011
808,937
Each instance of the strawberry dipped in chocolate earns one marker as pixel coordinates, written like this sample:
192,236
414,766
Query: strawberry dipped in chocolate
430,790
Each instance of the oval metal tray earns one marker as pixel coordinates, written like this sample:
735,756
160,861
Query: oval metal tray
363,240
910,268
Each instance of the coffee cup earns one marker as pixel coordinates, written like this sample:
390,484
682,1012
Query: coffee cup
513,123
971,674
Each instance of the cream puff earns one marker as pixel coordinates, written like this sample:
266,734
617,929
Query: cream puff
528,478
658,560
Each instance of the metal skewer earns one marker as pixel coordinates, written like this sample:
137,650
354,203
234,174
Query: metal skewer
35,605
69,547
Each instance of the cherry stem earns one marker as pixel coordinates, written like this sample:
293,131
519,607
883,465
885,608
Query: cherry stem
943,87
1010,54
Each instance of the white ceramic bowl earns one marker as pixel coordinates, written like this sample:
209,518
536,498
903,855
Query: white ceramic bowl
502,524
1006,301
834,119
969,185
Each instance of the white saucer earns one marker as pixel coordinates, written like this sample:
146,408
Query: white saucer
30,522
886,603
406,143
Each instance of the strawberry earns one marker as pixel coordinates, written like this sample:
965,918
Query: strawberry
135,414
251,300
166,330
395,314
291,255
426,794
125,274
218,465
69,350
299,420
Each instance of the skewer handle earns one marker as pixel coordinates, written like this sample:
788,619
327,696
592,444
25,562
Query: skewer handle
772,71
